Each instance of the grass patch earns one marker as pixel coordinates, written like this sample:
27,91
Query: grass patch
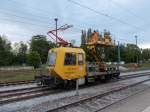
17,75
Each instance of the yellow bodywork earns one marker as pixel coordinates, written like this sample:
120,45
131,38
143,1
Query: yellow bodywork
67,72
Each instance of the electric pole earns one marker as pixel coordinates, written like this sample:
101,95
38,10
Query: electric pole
136,37
56,20
118,54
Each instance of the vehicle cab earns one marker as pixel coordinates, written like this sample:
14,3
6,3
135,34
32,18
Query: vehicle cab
66,63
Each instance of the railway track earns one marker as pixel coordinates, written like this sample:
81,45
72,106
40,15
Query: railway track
9,96
16,83
134,75
101,101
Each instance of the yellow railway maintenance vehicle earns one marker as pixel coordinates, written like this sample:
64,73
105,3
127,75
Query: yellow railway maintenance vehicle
67,64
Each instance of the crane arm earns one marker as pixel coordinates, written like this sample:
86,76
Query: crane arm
94,52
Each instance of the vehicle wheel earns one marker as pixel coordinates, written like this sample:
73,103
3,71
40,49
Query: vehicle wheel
107,77
117,76
104,79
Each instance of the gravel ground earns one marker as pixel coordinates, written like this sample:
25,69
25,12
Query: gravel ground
44,103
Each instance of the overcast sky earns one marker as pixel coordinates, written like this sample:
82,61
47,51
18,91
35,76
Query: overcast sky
20,19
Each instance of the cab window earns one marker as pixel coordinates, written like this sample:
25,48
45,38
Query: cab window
70,59
51,58
80,58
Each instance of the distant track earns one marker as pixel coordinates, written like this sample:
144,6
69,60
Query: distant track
17,90
134,75
16,83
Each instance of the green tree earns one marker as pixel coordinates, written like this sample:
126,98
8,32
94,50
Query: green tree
146,54
131,53
40,44
110,54
34,59
22,53
6,56
23,48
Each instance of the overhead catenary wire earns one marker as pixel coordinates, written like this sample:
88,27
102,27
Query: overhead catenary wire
129,11
35,24
8,13
39,16
40,11
126,10
26,23
32,32
104,14
23,22
108,16
43,11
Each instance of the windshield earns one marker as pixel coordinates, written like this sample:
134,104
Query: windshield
51,58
